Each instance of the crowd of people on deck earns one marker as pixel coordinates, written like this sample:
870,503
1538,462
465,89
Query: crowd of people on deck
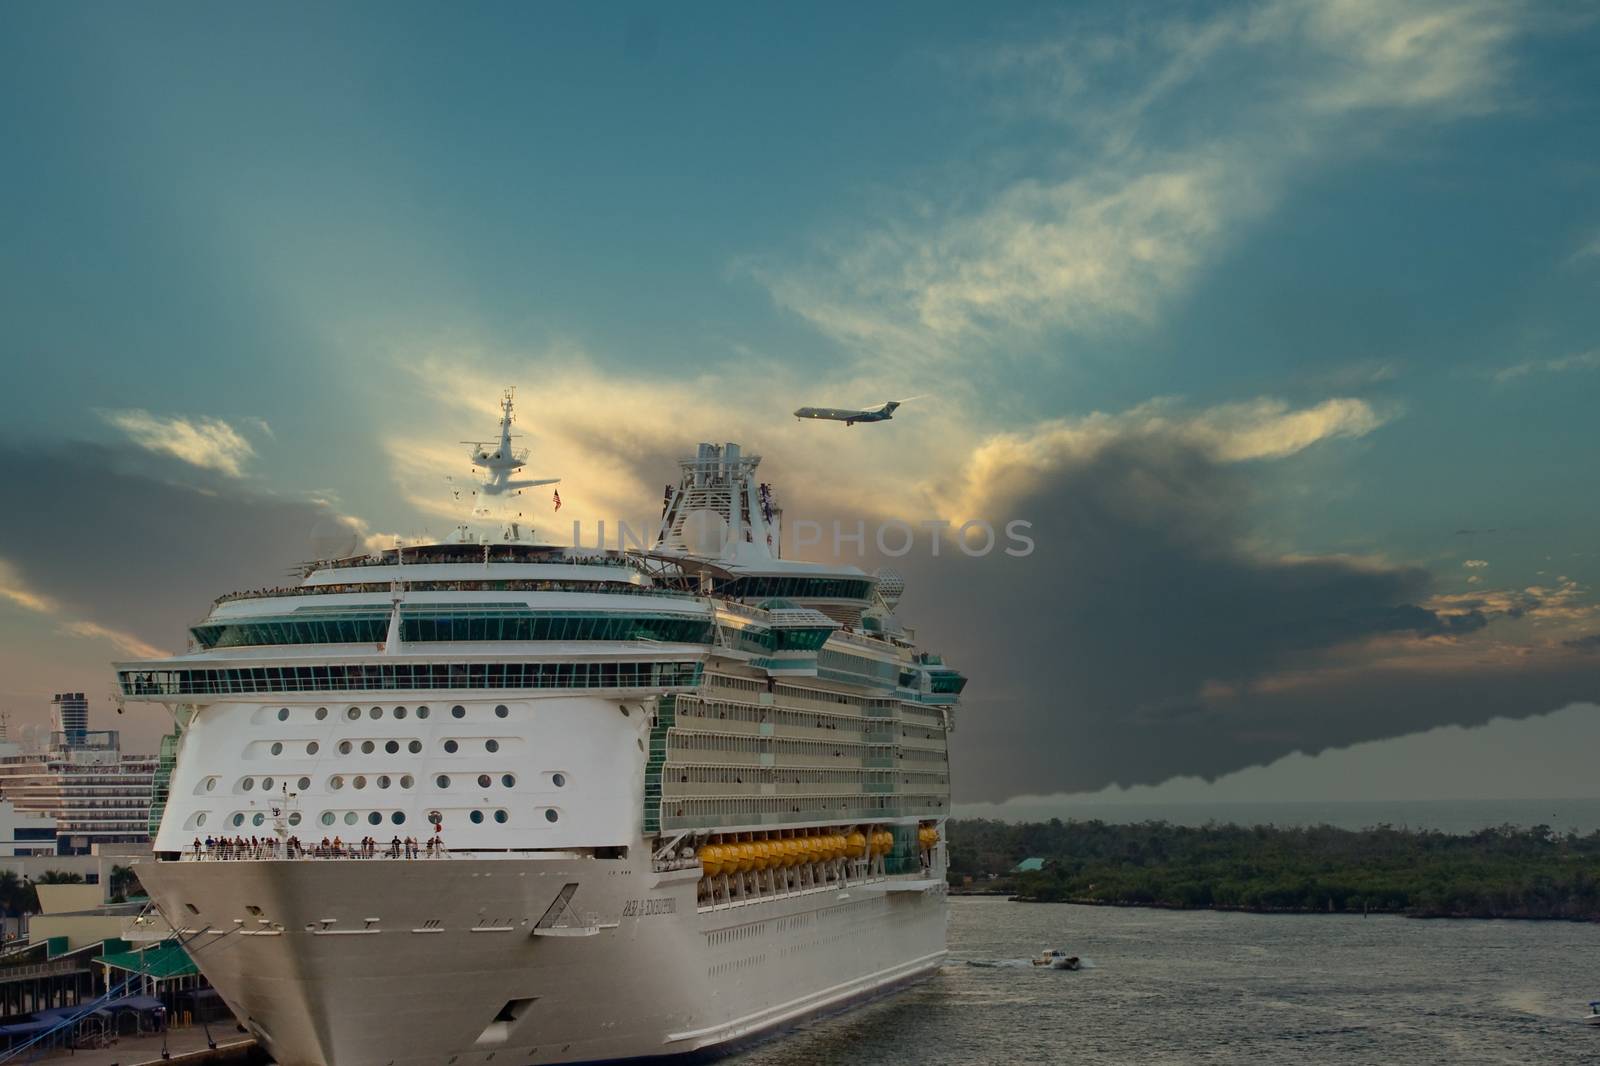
294,848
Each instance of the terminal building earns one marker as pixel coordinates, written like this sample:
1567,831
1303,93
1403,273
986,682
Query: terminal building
95,792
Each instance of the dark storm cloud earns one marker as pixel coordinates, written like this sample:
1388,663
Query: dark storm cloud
1124,650
1590,643
136,544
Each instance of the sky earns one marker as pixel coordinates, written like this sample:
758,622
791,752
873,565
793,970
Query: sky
1276,321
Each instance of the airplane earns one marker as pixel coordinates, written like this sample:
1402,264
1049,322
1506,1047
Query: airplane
503,460
850,416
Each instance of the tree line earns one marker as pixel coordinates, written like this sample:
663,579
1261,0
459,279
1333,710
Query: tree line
1502,872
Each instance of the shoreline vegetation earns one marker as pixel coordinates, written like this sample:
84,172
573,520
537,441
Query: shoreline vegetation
1501,872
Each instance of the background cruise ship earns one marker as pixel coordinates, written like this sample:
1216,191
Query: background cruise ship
686,796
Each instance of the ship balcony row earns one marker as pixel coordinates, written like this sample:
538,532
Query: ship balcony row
672,786
734,814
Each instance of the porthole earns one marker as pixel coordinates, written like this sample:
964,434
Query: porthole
375,818
399,712
283,714
398,817
277,748
368,747
327,818
266,784
491,745
484,780
458,711
451,746
335,782
393,747
344,747
238,819
407,781
443,780
312,747
294,817
211,784
476,816
415,747
623,709
500,816
359,781
501,710
550,814
353,713
423,712
322,712
509,781
303,784
200,819
558,780
248,783
349,817
376,713
258,818
382,781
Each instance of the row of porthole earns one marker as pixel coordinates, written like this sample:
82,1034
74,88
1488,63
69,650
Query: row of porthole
256,819
392,747
353,713
360,781
249,784
486,781
373,817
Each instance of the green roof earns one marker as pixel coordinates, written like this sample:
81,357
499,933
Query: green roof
1030,866
166,959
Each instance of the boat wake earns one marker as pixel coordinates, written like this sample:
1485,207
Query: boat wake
1022,964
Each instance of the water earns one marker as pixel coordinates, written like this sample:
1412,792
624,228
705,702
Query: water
1198,987
1449,816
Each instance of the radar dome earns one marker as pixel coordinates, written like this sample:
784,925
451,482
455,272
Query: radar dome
332,538
891,585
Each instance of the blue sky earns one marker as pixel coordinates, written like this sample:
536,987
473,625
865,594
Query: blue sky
1345,255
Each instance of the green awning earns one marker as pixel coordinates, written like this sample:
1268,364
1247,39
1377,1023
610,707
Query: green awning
166,959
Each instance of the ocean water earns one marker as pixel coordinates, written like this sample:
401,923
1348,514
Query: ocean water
1450,816
1170,987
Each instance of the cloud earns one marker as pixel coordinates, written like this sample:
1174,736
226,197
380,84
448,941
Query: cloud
1475,564
1155,165
1589,643
125,643
140,578
13,588
1538,757
1149,635
1583,361
1261,429
1589,250
208,443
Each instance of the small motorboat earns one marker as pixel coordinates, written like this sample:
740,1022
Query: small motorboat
1057,959
1593,1017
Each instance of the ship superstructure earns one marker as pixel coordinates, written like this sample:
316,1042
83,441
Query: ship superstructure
456,802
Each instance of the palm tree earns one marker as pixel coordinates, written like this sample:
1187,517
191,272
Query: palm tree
58,877
124,883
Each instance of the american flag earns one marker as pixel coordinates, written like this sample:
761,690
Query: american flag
556,496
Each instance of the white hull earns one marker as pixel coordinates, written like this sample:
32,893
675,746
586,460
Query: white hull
393,962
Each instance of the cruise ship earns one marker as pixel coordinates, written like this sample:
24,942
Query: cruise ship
498,800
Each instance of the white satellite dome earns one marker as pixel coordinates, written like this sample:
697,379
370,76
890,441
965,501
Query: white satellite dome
891,585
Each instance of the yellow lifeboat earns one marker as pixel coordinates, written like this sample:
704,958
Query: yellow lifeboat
747,857
792,853
710,856
855,845
841,845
